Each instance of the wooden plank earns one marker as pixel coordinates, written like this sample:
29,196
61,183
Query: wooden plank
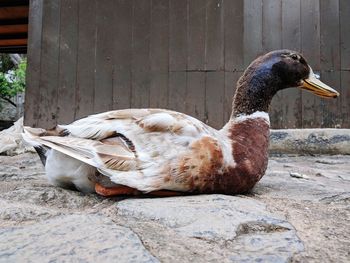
271,25
344,12
330,35
32,91
177,91
49,64
178,18
195,96
214,101
159,54
233,31
330,108
141,79
252,30
103,99
291,33
66,101
86,59
272,40
13,42
122,55
345,99
11,29
196,35
231,79
310,48
14,12
214,40
178,35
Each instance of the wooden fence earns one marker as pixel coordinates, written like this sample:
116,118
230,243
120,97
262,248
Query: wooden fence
88,56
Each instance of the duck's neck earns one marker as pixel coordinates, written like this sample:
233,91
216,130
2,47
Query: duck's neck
254,92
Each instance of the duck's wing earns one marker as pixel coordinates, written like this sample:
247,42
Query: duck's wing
111,141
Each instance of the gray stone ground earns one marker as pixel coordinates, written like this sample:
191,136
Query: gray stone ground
299,218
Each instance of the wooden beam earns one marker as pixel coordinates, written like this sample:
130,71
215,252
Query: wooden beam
14,12
11,29
13,42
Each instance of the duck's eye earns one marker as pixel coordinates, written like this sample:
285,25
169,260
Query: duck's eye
295,56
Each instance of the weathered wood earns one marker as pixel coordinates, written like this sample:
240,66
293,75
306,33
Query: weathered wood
103,94
122,55
178,18
195,96
49,64
86,59
90,56
310,47
344,12
345,98
34,60
178,10
214,101
291,98
233,35
252,30
214,38
159,54
66,100
141,78
330,35
196,34
331,109
271,25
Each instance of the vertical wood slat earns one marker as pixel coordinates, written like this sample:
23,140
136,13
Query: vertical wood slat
271,25
196,34
67,62
34,58
345,98
141,78
233,35
310,48
86,59
272,40
49,64
214,60
329,25
330,58
159,53
291,40
344,12
214,101
252,30
103,95
214,38
122,55
178,37
195,92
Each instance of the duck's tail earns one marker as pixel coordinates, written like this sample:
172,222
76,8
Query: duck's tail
32,137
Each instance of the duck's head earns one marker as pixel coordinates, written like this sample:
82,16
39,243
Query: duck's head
272,72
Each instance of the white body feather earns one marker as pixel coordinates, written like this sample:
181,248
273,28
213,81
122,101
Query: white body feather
160,138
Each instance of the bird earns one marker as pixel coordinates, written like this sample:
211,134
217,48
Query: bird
166,153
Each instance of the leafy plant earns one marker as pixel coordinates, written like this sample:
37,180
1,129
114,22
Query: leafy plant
12,82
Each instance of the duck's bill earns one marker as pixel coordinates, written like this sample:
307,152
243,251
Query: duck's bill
317,87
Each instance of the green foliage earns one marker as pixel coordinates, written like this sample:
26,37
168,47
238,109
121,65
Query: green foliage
13,81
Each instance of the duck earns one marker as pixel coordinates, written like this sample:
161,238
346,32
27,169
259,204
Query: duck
165,153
